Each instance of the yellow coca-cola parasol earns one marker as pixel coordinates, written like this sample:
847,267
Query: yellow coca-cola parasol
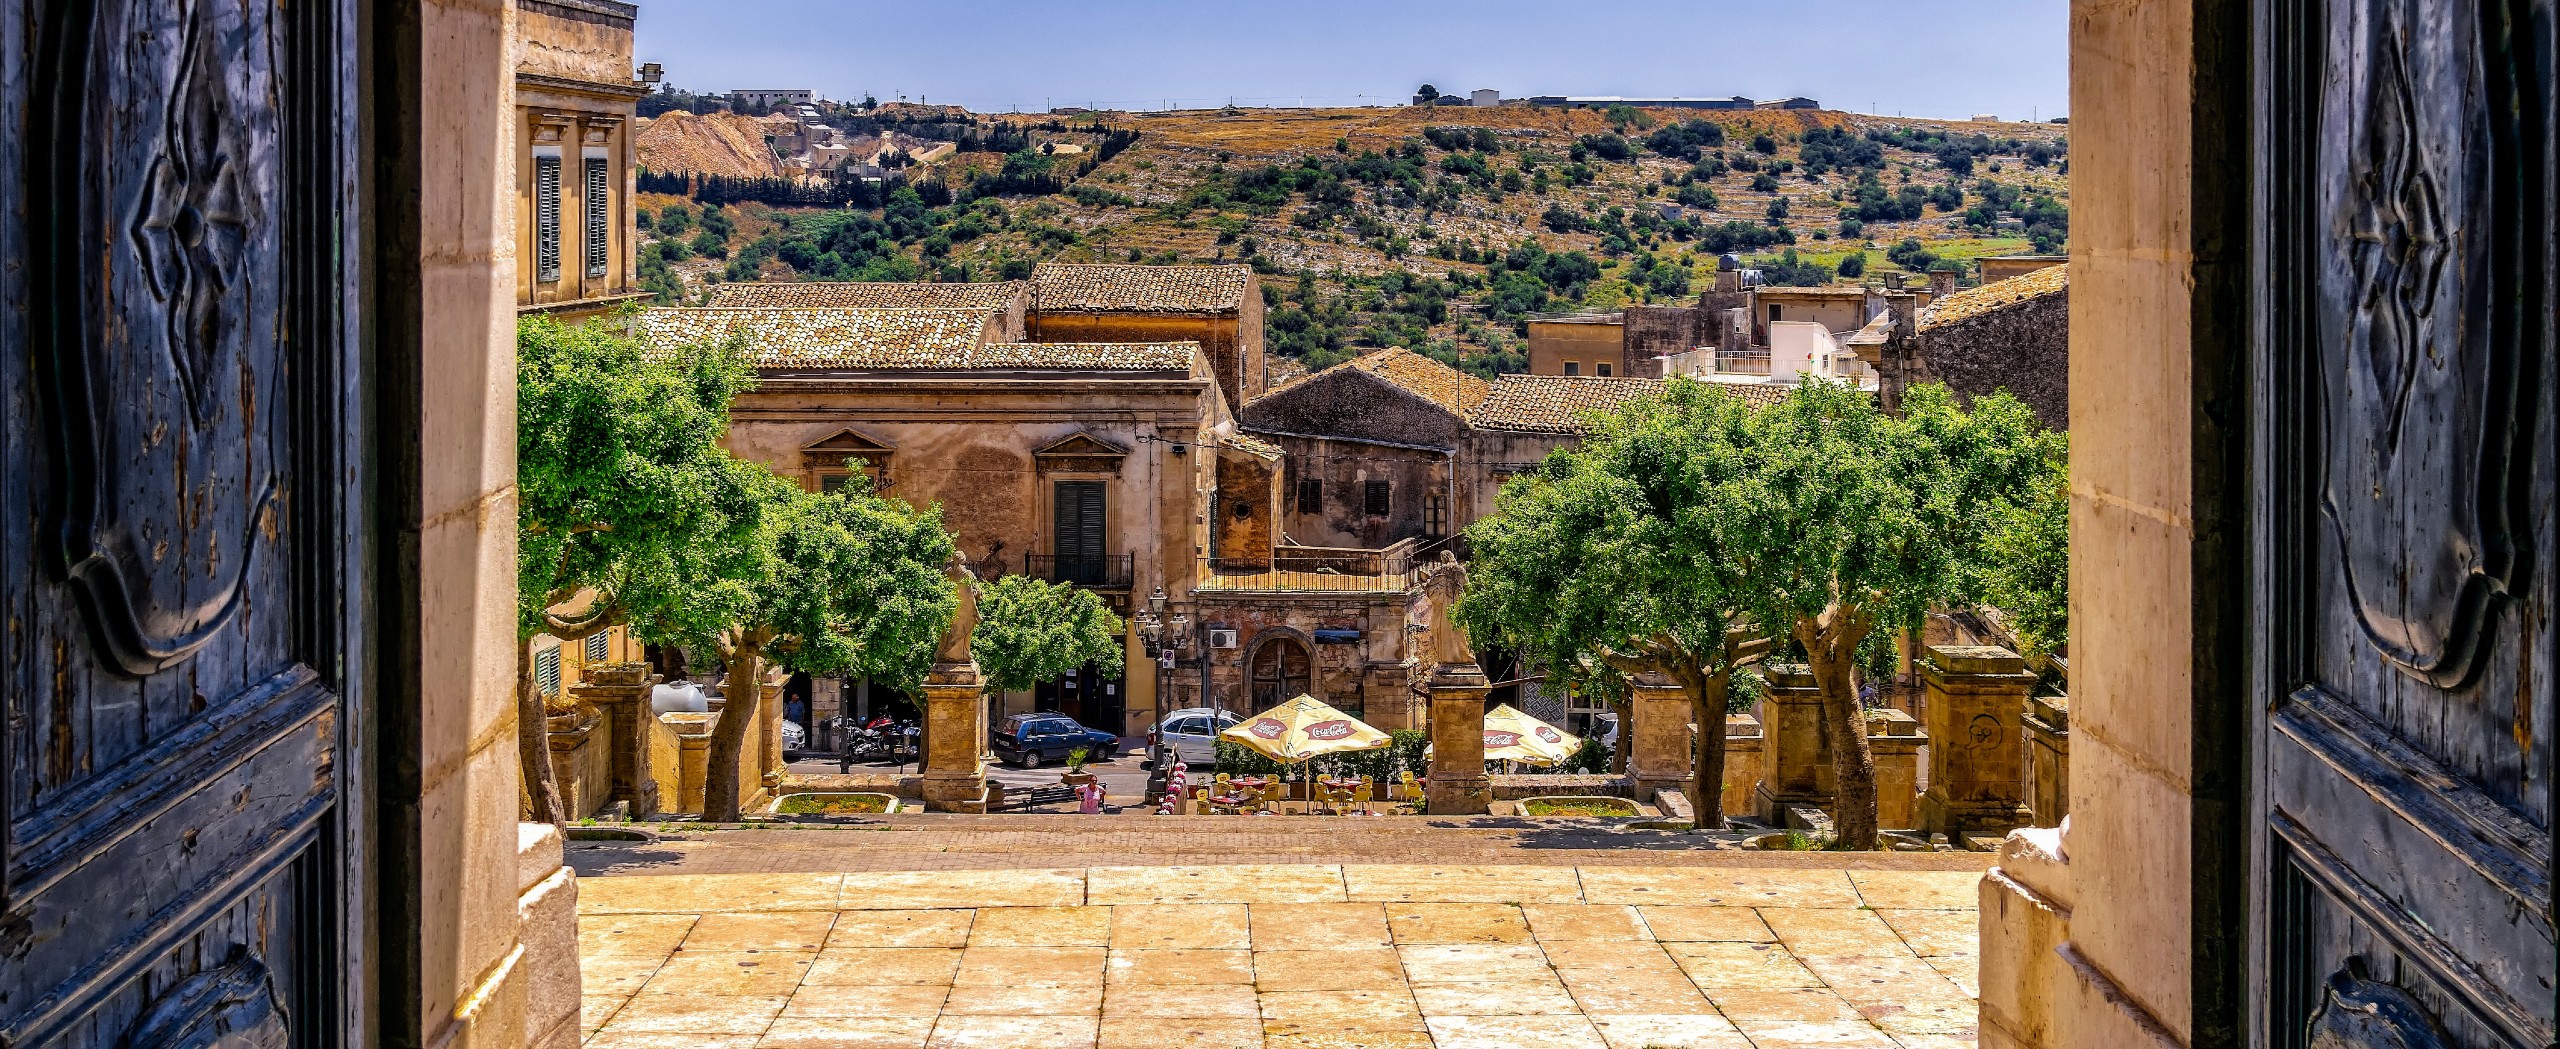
1510,735
1304,728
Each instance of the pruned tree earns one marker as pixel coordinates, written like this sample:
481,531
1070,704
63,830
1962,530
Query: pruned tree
1030,631
2027,575
822,583
1620,558
1856,521
618,468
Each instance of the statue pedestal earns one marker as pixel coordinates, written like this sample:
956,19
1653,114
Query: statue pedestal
955,734
1458,785
1977,754
1658,758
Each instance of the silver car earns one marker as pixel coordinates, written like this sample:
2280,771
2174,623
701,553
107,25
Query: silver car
1189,735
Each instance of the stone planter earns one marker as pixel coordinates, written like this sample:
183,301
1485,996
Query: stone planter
1075,779
1613,807
835,803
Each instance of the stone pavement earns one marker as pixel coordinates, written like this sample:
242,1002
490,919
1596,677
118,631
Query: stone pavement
1706,951
937,842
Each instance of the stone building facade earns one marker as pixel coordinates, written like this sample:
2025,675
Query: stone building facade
1219,307
575,98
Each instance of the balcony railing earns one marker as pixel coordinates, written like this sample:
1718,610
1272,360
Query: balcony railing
1742,362
1300,569
1105,570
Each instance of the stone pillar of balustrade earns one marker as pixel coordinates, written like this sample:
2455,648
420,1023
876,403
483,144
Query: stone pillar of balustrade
621,692
955,710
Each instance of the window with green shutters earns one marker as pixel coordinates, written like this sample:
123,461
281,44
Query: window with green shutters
546,671
599,648
546,219
599,212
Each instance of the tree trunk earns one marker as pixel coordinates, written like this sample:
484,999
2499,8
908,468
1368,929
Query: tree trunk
741,684
1831,650
533,743
1707,700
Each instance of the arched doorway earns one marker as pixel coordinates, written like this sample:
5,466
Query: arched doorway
1282,670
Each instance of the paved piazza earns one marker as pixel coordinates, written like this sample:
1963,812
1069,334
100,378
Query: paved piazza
1730,950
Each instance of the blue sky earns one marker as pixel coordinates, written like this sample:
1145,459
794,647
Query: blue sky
1937,58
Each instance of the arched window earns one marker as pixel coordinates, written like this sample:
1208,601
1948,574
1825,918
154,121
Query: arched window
1282,670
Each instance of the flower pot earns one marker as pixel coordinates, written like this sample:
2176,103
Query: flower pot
1075,779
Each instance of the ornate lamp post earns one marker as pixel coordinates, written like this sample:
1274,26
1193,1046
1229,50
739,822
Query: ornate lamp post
1166,636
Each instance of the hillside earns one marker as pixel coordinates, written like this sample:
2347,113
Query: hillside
713,144
1369,224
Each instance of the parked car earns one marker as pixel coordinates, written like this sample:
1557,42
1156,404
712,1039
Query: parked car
1189,735
795,741
1029,739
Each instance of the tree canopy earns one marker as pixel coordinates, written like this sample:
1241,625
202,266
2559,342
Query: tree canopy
1032,631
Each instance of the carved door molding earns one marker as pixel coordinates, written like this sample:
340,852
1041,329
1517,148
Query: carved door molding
180,429
2403,428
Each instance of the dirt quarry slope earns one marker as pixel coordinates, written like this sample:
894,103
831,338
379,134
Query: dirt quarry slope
718,144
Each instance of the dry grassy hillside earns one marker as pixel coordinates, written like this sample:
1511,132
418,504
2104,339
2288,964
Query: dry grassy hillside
1369,223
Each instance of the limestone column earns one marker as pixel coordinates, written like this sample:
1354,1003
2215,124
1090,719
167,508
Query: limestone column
1795,768
621,691
1977,759
1895,740
955,712
1458,785
1658,756
1742,758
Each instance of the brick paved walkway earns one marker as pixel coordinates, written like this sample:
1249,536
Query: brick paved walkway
945,842
1711,949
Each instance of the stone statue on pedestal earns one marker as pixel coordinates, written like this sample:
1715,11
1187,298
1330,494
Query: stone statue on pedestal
1442,581
964,619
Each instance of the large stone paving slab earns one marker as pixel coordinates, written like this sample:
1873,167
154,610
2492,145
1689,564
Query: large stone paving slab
1282,956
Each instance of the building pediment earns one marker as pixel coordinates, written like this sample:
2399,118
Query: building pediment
1080,452
849,443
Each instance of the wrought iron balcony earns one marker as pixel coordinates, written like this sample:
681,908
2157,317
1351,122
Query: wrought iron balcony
1106,571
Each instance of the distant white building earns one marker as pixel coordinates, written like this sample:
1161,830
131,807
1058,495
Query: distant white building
769,97
1484,96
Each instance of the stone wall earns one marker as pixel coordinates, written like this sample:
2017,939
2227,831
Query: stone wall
1365,679
1660,331
1248,498
2023,348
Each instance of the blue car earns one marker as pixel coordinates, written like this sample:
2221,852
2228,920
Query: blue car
1026,740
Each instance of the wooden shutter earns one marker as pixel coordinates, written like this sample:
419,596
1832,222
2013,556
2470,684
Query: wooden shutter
546,219
1079,530
1310,495
599,210
599,648
546,671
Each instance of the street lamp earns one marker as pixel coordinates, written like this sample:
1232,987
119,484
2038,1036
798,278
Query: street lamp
1164,634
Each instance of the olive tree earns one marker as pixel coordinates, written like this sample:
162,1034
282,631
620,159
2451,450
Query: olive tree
1623,557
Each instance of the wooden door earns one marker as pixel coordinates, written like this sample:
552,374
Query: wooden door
2406,639
179,440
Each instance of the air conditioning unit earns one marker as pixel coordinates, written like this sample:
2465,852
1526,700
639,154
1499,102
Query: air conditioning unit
1222,638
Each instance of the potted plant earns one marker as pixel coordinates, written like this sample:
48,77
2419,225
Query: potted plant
1076,776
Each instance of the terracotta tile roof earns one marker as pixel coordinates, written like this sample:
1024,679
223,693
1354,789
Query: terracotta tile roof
1553,403
1998,295
1423,377
909,339
1755,394
859,295
1075,288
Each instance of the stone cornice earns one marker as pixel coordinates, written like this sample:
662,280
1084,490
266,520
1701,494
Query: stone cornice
618,91
603,12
